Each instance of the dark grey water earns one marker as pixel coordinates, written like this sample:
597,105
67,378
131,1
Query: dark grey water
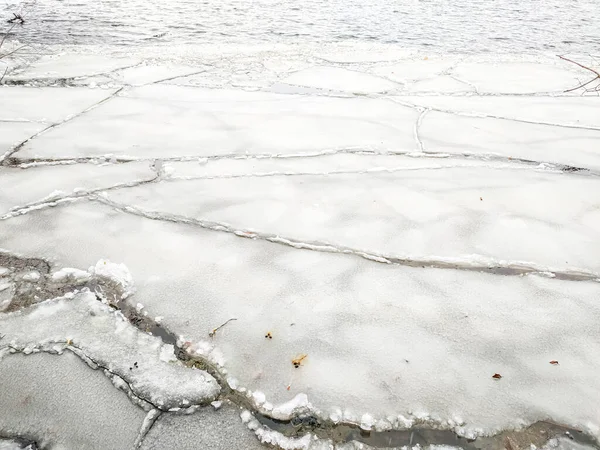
463,26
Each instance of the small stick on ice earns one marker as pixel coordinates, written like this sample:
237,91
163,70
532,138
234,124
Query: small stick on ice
214,331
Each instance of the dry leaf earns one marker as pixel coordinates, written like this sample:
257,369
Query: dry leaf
298,361
497,376
554,363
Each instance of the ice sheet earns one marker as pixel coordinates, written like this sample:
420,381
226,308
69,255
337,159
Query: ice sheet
450,330
438,209
59,402
141,364
19,187
208,428
162,120
46,104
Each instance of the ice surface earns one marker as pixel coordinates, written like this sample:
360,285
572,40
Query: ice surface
450,330
13,133
339,79
59,402
46,104
61,66
19,187
442,132
442,210
162,120
517,78
206,429
578,112
83,325
309,200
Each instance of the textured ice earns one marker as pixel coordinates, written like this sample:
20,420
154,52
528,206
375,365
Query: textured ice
13,133
61,66
20,187
572,111
339,79
60,403
206,429
162,120
83,325
517,78
447,133
46,104
345,313
433,208
309,200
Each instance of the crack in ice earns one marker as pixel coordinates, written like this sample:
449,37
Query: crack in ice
473,263
19,146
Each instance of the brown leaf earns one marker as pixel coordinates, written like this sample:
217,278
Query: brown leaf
297,362
497,376
554,363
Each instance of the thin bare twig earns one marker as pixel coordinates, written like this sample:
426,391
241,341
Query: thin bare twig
6,35
13,51
214,331
583,85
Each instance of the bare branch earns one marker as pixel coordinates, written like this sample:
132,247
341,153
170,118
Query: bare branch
6,34
583,85
13,51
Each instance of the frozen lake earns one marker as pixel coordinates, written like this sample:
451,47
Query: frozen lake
310,225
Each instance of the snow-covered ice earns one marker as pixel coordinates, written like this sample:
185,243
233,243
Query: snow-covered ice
388,230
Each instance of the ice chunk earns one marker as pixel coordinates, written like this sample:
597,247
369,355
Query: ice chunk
99,335
62,403
220,122
205,429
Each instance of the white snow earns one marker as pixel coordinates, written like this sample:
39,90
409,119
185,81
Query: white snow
70,274
118,273
287,410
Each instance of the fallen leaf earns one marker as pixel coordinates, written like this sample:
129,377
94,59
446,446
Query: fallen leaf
554,363
497,376
298,361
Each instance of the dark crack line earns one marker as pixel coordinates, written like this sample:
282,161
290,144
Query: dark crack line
18,147
510,269
109,159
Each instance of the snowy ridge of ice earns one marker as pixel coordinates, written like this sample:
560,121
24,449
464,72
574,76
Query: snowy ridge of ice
267,436
100,335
